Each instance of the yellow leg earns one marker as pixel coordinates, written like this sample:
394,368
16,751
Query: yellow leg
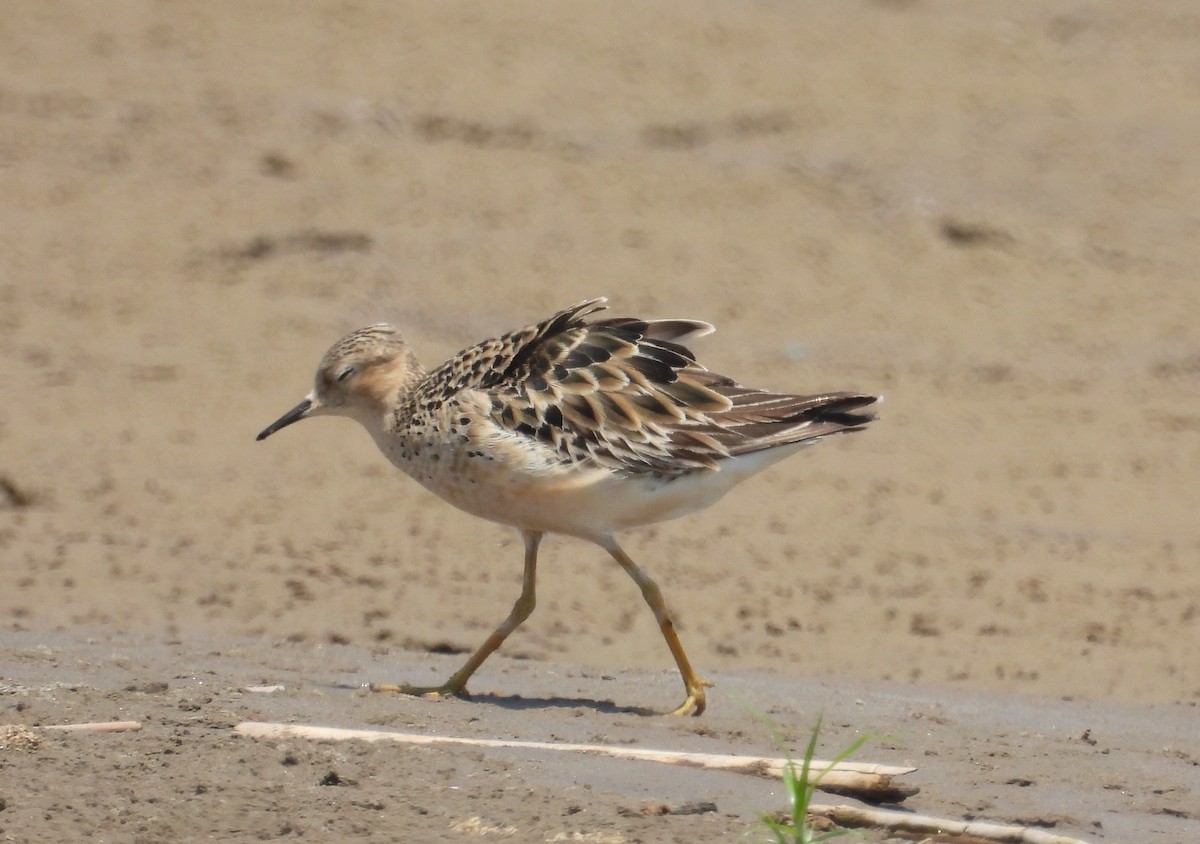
693,704
456,686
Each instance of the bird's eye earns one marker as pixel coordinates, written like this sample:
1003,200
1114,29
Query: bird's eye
343,373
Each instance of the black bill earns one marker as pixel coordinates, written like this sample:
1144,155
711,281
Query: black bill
294,415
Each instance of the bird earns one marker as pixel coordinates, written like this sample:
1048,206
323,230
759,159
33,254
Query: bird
575,425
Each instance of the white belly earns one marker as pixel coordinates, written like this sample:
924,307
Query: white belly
510,483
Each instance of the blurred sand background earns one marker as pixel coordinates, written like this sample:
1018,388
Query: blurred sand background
987,212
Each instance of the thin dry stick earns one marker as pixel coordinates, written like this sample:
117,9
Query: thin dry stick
95,727
871,780
855,816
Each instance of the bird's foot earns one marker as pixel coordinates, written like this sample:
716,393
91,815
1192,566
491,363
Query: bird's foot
445,690
694,703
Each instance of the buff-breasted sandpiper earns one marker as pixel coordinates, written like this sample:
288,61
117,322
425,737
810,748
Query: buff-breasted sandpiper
570,426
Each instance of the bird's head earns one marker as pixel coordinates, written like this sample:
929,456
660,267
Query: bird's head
360,376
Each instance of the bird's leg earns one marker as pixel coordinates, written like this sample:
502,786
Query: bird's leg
693,704
456,686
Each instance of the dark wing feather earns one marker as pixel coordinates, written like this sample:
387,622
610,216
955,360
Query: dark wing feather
625,394
491,362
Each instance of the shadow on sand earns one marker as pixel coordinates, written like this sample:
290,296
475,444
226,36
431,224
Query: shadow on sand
518,703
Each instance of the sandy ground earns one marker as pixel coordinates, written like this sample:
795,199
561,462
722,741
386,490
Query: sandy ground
1098,771
985,211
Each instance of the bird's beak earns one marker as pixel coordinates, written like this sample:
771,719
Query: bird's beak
294,415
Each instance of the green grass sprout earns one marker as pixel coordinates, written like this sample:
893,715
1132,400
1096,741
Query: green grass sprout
801,786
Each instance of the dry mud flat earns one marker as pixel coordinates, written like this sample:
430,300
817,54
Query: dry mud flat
985,211
1093,771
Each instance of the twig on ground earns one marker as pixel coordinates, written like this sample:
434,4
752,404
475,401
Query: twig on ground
866,780
95,727
857,816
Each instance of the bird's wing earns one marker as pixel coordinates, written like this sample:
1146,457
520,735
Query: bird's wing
626,394
489,363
